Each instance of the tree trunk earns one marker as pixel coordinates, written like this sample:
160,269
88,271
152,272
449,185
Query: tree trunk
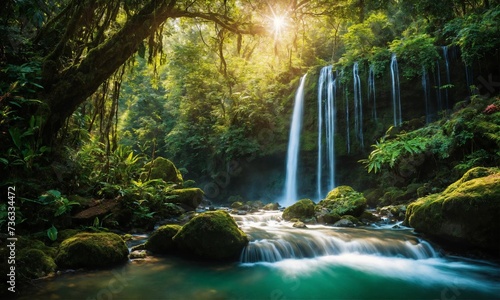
66,90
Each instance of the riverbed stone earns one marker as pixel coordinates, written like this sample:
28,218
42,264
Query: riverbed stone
212,235
343,200
466,213
162,168
302,209
91,250
161,241
188,199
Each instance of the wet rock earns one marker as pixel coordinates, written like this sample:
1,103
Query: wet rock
467,212
271,206
211,235
161,241
344,200
299,224
344,223
301,209
138,254
91,250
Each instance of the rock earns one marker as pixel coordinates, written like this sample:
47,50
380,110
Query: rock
161,240
466,213
91,250
344,223
138,254
344,200
299,224
188,199
301,209
211,235
271,206
162,168
324,216
34,263
237,204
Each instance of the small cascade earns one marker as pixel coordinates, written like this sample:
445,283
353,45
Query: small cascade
347,117
372,92
293,147
396,92
313,245
358,105
448,79
425,84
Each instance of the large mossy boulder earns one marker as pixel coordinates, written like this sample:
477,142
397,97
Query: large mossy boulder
188,199
162,168
211,235
34,263
91,250
161,240
302,210
466,213
343,200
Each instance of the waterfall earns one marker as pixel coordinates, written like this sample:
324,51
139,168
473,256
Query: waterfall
327,84
293,147
425,80
348,130
358,105
396,93
438,90
448,80
371,91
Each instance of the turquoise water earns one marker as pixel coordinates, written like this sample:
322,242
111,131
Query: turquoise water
362,269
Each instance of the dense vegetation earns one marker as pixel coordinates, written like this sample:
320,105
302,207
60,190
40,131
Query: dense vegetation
91,91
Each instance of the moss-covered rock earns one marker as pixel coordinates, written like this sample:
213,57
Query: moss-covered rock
161,240
211,235
467,212
162,168
271,206
188,199
34,263
344,200
91,250
302,209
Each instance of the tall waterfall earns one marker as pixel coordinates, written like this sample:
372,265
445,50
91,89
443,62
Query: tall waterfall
371,91
438,89
358,105
448,80
326,85
396,92
293,147
425,87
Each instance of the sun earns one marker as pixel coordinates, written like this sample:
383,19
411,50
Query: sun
278,23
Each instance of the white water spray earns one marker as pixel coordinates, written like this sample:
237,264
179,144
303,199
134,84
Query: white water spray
396,92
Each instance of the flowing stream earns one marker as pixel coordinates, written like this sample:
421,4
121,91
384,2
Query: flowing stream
283,262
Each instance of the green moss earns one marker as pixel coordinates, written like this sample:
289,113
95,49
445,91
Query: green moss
466,212
344,200
271,206
161,240
34,263
162,168
302,209
187,198
211,235
237,204
91,250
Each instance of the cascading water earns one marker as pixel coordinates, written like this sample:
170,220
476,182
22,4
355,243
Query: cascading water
396,92
293,147
372,92
326,85
438,89
358,105
425,80
448,80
